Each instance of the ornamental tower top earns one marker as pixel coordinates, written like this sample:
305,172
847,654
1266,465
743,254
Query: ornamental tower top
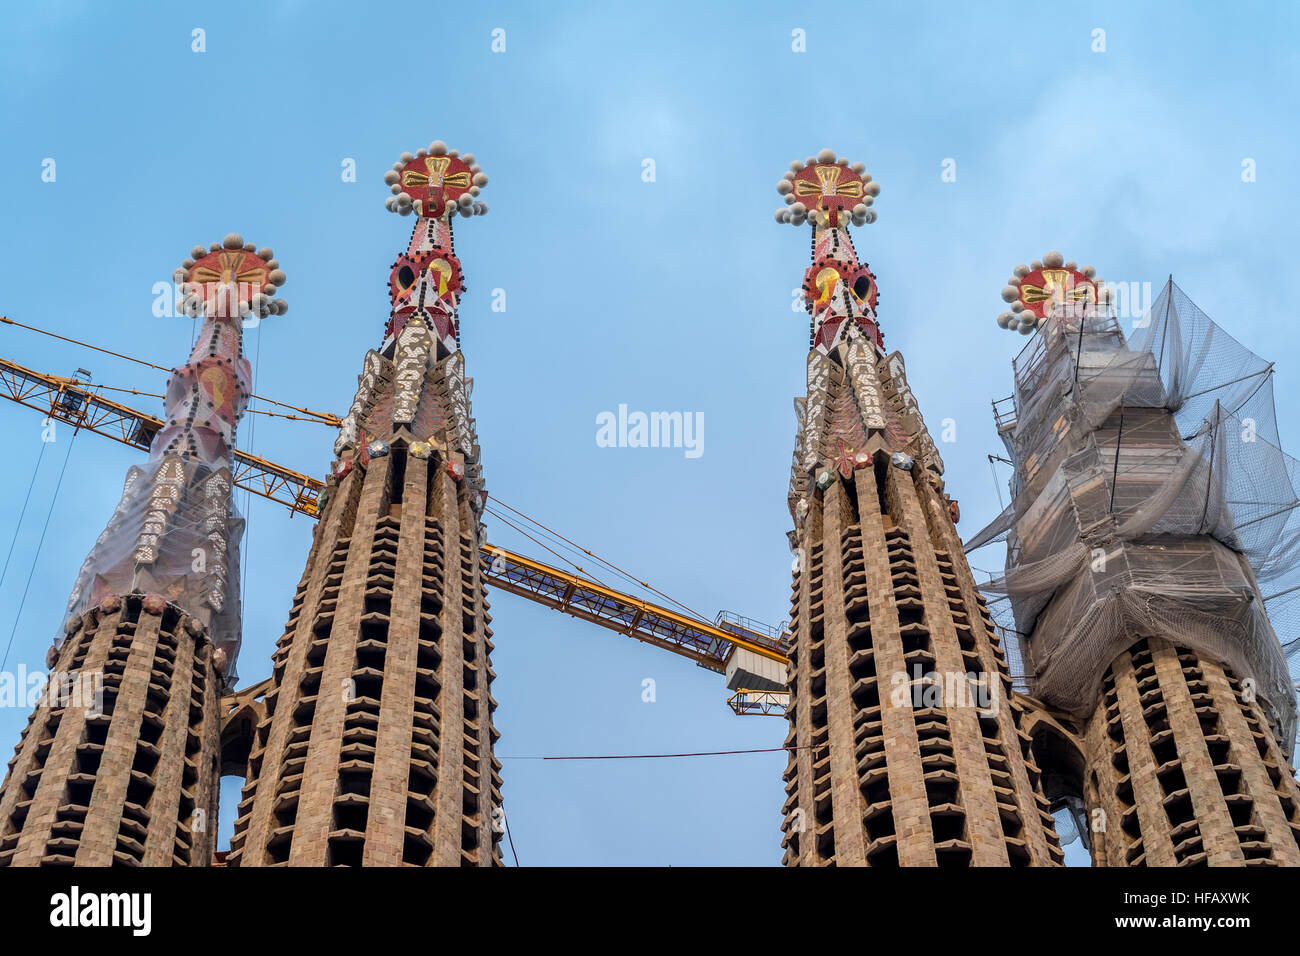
831,194
1049,287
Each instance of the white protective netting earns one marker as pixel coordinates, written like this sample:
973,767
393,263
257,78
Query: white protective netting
194,562
176,531
1151,498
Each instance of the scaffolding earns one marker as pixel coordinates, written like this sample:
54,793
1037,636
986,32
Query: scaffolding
1151,496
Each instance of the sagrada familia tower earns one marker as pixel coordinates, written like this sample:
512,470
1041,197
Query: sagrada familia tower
122,769
1142,521
889,765
376,747
1130,586
1124,681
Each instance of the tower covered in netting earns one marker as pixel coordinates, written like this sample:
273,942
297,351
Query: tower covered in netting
1153,527
122,771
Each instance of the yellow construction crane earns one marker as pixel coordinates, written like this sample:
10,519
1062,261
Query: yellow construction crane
750,655
77,403
746,653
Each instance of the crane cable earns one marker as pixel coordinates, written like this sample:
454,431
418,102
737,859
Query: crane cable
578,568
505,818
701,753
325,418
608,564
581,570
39,544
248,495
31,328
23,513
555,541
98,386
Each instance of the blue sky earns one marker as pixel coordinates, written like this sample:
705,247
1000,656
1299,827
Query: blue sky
668,295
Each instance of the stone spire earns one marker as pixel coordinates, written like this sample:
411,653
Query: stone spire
905,740
377,745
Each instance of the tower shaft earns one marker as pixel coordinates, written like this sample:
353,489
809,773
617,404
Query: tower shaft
906,741
377,746
117,765
1185,768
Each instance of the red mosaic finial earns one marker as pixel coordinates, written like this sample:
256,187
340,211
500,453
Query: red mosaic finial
1047,287
426,281
436,183
839,291
229,279
224,284
828,192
